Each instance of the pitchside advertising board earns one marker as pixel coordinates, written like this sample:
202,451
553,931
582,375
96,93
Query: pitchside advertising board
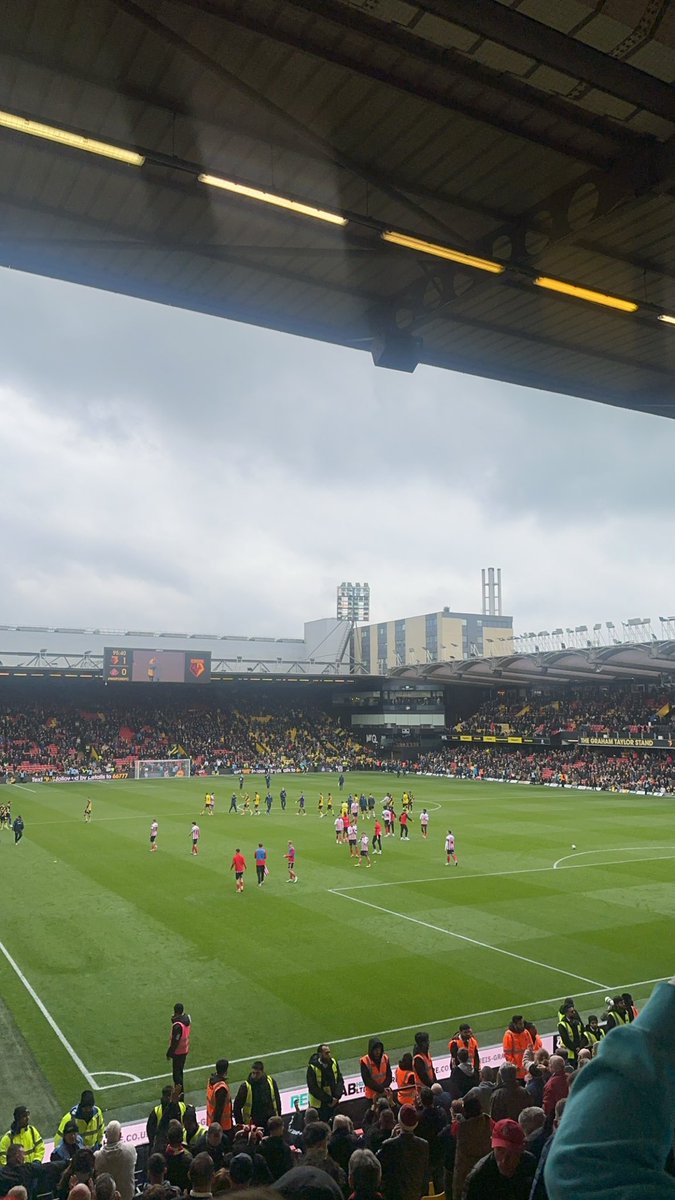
490,1056
125,665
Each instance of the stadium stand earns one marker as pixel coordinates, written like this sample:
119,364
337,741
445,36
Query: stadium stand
572,767
58,735
588,711
63,735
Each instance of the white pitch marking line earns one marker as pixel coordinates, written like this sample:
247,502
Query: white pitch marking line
499,874
612,850
97,820
359,1037
26,788
49,1018
473,941
127,1076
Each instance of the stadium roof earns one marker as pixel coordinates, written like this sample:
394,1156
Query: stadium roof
604,664
537,137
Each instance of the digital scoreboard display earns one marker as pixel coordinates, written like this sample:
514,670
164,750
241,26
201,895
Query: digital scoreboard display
126,665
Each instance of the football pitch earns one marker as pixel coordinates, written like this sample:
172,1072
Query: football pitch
99,937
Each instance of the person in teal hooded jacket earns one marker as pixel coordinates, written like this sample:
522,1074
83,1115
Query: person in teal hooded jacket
617,1130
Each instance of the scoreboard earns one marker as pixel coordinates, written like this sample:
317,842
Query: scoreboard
122,664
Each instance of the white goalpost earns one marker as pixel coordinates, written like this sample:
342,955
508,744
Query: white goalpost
162,768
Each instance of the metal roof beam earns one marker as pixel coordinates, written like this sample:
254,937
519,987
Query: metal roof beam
538,339
173,106
661,404
258,97
452,63
508,27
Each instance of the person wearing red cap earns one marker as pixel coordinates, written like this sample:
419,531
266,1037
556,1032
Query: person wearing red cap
506,1173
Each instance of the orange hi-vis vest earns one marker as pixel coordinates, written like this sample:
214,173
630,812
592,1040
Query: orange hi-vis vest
515,1045
379,1074
406,1086
459,1044
430,1068
212,1089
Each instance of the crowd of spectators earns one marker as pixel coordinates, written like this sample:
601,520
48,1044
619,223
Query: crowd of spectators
483,1133
652,772
64,735
586,712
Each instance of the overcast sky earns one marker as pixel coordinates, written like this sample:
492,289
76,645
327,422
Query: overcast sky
170,471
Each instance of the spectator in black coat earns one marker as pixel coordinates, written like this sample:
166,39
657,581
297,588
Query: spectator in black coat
535,1081
462,1077
343,1141
405,1160
275,1149
178,1159
215,1144
316,1154
379,1133
431,1120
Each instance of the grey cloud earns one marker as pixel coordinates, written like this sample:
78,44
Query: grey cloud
168,469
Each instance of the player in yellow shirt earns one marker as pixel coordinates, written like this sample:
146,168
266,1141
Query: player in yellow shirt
256,804
329,804
321,812
88,811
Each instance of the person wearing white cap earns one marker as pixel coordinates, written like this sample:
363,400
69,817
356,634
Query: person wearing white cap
117,1158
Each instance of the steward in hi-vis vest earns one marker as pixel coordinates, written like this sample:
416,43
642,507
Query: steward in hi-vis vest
324,1082
375,1070
571,1033
618,1014
170,1108
423,1065
179,1045
515,1042
22,1133
465,1037
406,1086
89,1121
258,1098
218,1097
593,1031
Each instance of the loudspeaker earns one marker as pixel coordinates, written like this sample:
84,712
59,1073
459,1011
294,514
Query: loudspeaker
398,351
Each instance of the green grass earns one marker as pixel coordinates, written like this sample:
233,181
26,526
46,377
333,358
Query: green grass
110,936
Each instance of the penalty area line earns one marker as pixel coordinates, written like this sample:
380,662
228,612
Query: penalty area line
619,862
49,1018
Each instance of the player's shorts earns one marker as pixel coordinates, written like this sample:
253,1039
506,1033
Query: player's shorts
153,839
364,854
239,874
351,843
